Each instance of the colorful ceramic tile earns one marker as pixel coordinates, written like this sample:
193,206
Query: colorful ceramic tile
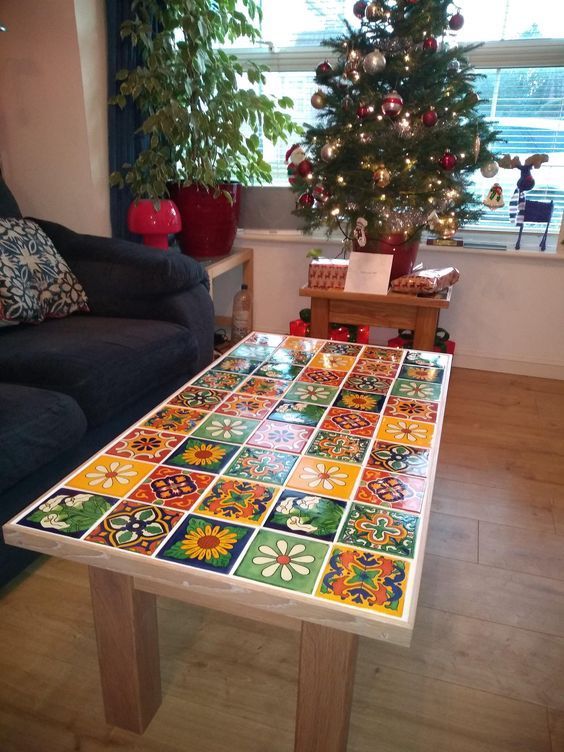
387,354
297,357
410,409
246,406
365,579
324,477
382,530
237,365
226,428
216,379
406,431
303,413
398,458
199,454
332,362
416,390
145,445
111,475
376,368
178,489
201,399
283,561
390,490
255,352
417,358
285,371
206,544
263,387
371,384
360,401
135,527
350,421
176,419
303,344
422,373
69,513
322,376
317,394
288,437
236,499
263,465
341,348
341,447
303,514
267,340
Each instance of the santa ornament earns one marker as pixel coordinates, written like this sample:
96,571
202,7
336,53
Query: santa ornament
359,231
494,198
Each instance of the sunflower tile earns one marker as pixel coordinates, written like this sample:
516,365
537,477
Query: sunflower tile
201,454
359,401
421,373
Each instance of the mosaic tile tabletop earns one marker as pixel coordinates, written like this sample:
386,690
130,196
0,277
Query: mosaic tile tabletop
300,466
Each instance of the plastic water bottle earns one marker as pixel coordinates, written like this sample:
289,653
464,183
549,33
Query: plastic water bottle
241,322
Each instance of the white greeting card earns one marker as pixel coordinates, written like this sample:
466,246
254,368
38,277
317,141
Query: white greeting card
369,272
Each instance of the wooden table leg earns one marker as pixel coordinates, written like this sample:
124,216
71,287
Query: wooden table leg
319,318
325,688
128,649
426,323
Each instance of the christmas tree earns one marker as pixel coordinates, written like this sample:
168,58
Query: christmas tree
398,134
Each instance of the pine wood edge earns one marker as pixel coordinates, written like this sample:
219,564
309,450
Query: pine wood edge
391,298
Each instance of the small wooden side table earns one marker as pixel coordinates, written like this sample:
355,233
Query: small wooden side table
392,310
215,267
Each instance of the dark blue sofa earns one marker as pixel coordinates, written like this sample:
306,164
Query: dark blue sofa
68,386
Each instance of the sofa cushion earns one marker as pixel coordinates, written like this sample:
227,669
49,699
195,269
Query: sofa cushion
36,425
104,363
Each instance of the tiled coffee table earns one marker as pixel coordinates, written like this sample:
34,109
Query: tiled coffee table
291,483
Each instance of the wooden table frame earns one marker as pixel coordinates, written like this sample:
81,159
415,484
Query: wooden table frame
392,310
238,257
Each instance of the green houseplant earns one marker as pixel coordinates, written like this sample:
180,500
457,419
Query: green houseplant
202,113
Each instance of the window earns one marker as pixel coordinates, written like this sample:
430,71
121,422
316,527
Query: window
522,60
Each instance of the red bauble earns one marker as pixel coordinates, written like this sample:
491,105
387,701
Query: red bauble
456,22
430,117
392,104
412,2
364,110
305,167
324,69
448,161
321,194
359,8
430,44
306,199
292,169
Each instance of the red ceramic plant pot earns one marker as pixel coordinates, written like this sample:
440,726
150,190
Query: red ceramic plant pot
404,251
154,224
209,224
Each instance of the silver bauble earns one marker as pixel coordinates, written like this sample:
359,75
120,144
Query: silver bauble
454,66
490,169
318,100
374,63
328,152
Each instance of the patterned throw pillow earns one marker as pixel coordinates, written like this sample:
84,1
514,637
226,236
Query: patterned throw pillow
35,281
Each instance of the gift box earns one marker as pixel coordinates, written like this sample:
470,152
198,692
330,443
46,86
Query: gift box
443,342
328,273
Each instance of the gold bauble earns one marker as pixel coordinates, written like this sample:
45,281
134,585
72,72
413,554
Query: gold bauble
381,176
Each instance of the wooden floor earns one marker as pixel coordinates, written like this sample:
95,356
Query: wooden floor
485,672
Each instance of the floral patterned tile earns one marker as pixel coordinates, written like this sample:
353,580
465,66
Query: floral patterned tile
378,529
297,357
69,513
302,413
177,489
255,352
226,428
341,348
375,368
350,421
417,358
322,376
288,437
332,362
330,478
389,490
341,447
421,373
410,409
263,465
200,399
371,384
238,500
387,354
316,393
246,406
283,561
215,379
360,401
406,431
267,340
263,387
145,445
416,390
111,475
176,419
398,458
303,514
303,344
285,371
135,527
365,579
206,544
237,365
199,454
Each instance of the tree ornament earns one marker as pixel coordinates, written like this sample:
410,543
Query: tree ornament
354,58
490,169
374,11
471,99
295,154
456,22
477,147
318,100
292,170
306,199
454,66
346,103
321,194
364,111
328,152
374,62
494,197
359,8
412,2
381,176
359,232
305,167
430,44
448,160
430,117
392,104
324,69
